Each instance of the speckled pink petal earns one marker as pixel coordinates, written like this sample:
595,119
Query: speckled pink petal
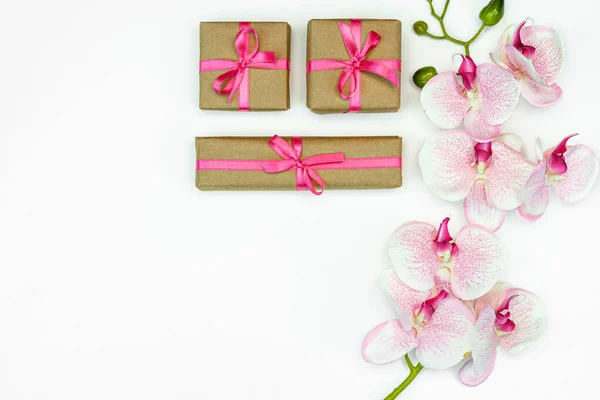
582,171
506,176
506,38
478,265
479,212
446,161
413,254
388,342
536,194
528,312
447,337
477,370
477,128
548,59
444,101
533,87
499,91
406,300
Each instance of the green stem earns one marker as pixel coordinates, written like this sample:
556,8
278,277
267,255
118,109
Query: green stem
445,34
414,371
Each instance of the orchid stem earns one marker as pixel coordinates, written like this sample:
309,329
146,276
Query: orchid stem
445,35
414,371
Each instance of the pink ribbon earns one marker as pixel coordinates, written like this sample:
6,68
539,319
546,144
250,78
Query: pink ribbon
237,78
352,37
306,177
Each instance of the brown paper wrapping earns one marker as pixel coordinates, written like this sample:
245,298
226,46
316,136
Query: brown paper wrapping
257,148
324,41
269,89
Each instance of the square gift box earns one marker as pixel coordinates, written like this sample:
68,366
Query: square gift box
244,66
353,65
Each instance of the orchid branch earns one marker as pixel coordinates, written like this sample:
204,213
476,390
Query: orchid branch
414,371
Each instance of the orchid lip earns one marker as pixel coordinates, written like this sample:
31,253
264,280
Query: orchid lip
503,322
557,164
483,152
527,51
424,313
444,242
468,71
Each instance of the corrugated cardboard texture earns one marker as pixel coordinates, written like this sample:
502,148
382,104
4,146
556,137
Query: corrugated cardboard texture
269,89
324,41
257,148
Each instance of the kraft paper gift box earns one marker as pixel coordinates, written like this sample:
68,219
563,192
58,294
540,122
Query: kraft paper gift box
330,42
274,163
248,80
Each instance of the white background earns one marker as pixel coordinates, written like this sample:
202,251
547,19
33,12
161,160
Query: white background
120,280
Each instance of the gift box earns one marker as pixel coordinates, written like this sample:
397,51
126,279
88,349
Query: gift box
296,163
353,65
244,66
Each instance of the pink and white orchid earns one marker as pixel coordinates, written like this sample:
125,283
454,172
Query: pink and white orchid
490,177
506,316
571,171
485,99
425,257
535,56
439,327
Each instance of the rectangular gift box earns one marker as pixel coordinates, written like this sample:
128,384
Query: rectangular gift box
325,41
267,87
265,163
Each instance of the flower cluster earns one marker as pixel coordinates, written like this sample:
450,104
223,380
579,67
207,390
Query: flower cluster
479,165
449,304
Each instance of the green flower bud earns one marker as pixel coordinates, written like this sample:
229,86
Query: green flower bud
491,14
420,27
423,75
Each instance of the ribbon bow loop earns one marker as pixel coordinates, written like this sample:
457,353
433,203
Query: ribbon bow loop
291,155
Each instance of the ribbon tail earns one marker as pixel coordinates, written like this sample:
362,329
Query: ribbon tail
311,176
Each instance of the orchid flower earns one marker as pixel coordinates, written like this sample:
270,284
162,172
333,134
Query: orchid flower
535,56
467,267
509,317
572,171
440,328
485,99
490,177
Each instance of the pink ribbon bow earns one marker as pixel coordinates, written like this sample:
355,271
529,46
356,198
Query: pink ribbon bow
292,158
352,37
238,76
291,155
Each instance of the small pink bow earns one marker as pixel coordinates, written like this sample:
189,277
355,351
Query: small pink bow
352,37
237,78
292,159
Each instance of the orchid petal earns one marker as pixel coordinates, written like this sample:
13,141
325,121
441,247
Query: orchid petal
533,88
477,128
536,195
539,151
499,92
477,370
506,38
478,265
479,212
406,300
548,58
506,176
413,254
446,161
447,336
582,170
388,342
444,101
528,313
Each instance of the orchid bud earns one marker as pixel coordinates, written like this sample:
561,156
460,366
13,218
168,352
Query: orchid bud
420,27
423,75
491,14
